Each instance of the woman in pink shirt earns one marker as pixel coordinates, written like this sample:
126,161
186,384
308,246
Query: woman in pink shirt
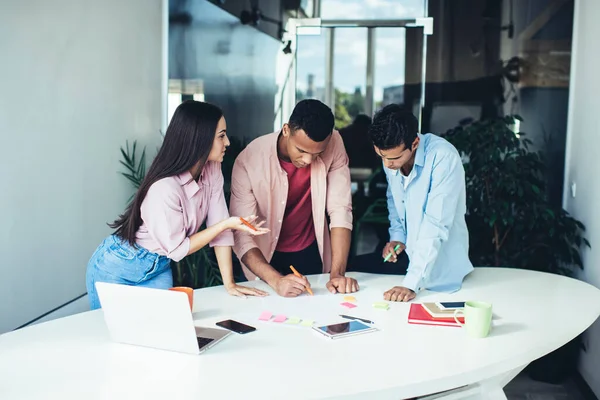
182,189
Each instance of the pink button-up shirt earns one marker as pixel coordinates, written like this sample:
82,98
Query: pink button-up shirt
259,187
175,207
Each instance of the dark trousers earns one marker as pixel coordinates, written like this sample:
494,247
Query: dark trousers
373,263
307,261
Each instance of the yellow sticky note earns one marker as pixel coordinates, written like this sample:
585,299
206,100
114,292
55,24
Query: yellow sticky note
293,320
307,322
350,298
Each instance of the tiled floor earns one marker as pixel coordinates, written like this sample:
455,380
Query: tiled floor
524,388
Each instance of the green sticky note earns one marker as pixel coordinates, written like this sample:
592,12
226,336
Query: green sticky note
307,322
381,304
293,320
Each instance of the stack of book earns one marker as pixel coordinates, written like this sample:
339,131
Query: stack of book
435,314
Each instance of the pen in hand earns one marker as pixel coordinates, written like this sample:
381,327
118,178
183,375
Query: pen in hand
248,224
392,252
300,276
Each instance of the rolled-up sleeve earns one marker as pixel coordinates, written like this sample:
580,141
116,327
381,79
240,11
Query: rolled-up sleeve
242,203
339,194
217,207
162,214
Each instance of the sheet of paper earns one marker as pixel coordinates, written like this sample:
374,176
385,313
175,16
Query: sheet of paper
293,320
307,322
280,318
265,316
349,305
350,298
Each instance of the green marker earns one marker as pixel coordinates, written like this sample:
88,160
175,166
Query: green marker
389,255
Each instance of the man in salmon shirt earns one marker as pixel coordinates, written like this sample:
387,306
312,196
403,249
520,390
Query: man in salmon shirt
295,178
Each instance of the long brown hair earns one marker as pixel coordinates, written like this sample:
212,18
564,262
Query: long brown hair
188,140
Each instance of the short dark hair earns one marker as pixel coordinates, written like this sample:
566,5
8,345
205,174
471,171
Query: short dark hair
314,118
392,126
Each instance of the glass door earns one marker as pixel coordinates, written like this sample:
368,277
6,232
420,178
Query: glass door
356,67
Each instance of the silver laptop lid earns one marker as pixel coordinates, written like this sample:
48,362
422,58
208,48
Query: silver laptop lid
148,317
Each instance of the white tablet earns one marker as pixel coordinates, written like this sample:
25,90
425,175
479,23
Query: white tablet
344,329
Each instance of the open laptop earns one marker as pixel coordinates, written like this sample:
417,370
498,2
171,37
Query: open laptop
155,318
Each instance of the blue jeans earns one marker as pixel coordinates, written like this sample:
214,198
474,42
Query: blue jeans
116,261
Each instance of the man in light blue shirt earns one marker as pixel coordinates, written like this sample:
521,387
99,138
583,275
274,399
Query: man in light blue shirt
426,203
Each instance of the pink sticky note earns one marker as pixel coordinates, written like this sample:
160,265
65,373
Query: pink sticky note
265,316
280,318
349,305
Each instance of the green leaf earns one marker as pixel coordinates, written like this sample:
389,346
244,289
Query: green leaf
130,177
127,166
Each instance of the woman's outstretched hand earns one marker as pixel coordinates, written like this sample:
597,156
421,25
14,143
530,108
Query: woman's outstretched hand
254,228
243,291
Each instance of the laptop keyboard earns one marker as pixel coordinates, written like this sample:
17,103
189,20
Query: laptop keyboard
202,341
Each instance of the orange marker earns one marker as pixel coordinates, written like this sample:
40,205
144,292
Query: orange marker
299,275
248,224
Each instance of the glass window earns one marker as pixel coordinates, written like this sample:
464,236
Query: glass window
389,66
372,9
349,74
310,68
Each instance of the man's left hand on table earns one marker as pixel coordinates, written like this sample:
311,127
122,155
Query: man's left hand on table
399,293
342,284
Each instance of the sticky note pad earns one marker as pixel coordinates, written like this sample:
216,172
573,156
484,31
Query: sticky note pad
265,316
280,318
293,320
349,305
381,304
307,322
350,298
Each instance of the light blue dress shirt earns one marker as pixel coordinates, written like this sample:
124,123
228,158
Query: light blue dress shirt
427,213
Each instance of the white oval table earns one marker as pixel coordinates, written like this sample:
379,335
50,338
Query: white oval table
535,313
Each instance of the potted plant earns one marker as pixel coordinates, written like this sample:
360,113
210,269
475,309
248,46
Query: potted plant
510,220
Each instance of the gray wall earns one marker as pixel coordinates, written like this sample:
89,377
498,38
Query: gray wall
582,161
237,64
78,78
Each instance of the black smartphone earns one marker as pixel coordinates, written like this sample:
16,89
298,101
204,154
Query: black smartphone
235,326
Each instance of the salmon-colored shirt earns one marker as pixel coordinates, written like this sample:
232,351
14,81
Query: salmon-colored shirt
175,207
259,187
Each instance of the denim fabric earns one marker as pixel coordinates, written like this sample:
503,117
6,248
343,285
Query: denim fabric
116,261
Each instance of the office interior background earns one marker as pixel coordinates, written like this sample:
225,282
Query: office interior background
82,80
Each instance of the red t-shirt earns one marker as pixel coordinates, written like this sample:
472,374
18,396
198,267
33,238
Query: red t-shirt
297,228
